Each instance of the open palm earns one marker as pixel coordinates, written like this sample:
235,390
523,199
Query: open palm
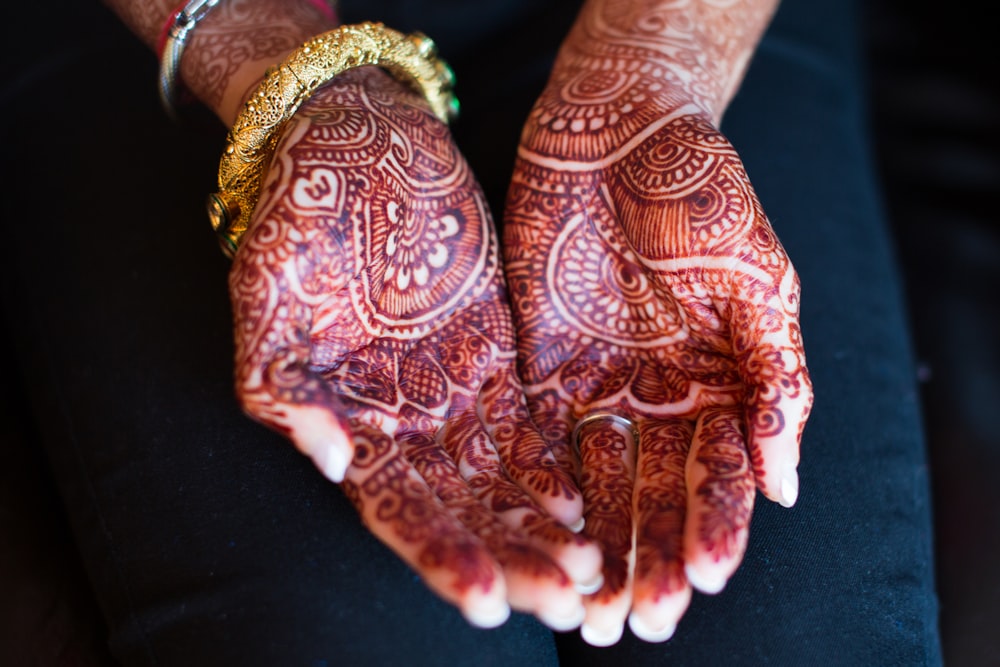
647,283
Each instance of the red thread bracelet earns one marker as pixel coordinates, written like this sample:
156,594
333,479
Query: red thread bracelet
325,9
161,41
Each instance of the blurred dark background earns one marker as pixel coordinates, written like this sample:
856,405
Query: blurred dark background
935,100
935,121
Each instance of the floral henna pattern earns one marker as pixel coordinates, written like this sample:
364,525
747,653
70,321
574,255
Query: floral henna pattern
645,278
371,316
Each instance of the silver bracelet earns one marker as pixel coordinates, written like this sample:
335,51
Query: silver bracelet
182,23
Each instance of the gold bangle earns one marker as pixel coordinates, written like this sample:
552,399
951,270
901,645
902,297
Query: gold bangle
411,59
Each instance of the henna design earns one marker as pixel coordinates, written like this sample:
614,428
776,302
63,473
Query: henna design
607,457
392,498
661,506
368,288
231,46
725,495
646,278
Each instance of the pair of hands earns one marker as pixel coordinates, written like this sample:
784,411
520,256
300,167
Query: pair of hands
375,329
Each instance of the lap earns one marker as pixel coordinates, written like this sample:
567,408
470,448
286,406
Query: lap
205,534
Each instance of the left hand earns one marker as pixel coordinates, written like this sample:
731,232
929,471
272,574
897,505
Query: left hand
647,282
372,329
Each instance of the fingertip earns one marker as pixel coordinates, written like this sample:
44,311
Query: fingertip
582,563
601,637
781,486
333,454
706,581
590,586
487,616
789,485
655,614
562,620
649,633
566,510
332,462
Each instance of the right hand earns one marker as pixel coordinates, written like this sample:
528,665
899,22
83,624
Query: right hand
372,329
648,283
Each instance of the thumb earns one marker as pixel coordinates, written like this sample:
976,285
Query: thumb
287,396
769,350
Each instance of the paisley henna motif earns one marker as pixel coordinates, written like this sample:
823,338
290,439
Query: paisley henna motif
369,306
646,278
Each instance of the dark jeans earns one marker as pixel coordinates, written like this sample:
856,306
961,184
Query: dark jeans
210,541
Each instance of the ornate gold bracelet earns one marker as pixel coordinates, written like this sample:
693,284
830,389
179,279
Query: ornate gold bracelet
411,59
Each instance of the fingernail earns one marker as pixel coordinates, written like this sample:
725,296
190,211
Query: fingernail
709,584
490,617
578,525
605,637
592,586
563,622
789,485
647,633
334,464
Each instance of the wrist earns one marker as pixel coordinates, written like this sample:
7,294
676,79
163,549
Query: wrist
688,53
232,47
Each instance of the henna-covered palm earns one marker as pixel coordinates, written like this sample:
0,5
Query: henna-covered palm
372,328
647,281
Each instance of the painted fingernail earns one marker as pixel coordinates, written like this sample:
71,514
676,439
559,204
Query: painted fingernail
710,583
597,637
789,485
333,463
592,586
564,621
578,525
648,633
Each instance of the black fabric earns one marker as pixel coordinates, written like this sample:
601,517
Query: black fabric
936,99
210,541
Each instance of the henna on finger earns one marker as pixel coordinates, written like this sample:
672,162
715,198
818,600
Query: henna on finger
607,460
470,447
661,590
721,489
396,504
535,582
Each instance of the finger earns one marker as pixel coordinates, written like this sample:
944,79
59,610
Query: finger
291,399
535,583
768,347
275,383
721,491
661,591
553,418
607,456
528,459
396,504
464,438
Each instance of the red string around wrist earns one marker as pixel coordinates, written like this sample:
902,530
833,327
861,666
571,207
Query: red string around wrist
161,40
325,9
